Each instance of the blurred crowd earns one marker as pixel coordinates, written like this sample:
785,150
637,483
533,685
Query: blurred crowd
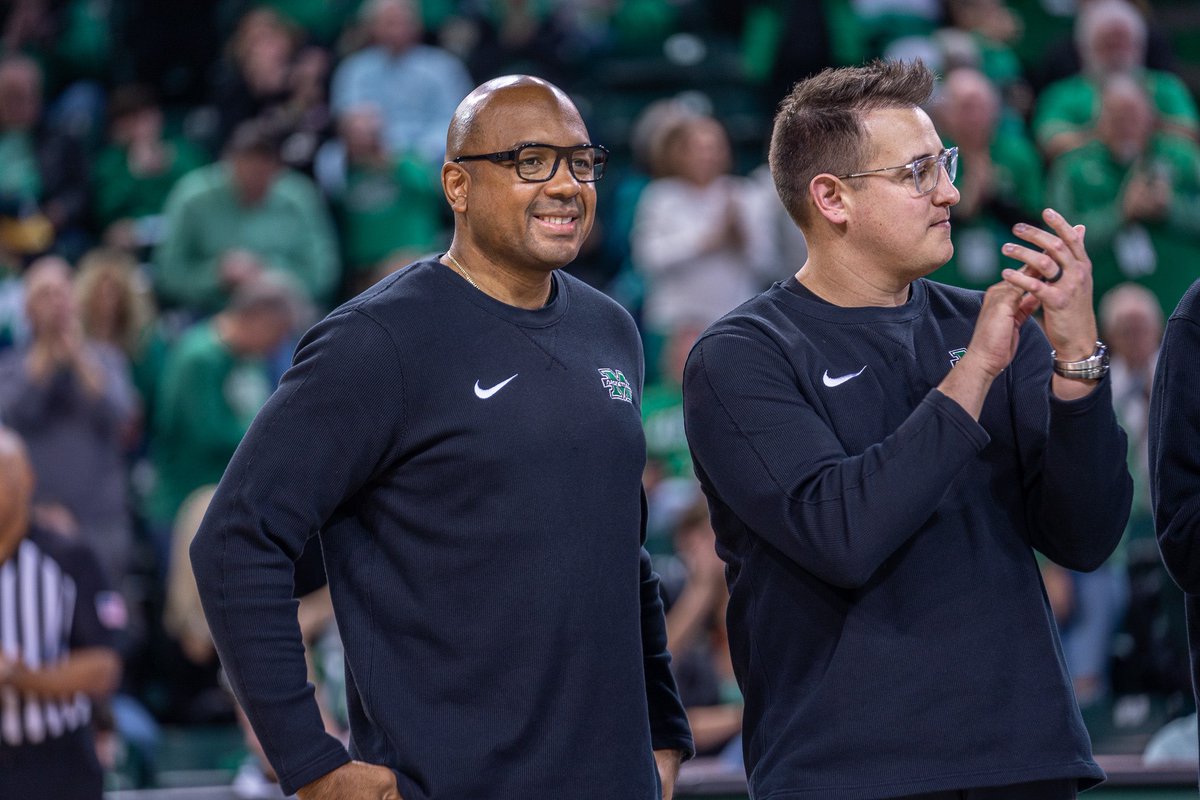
185,186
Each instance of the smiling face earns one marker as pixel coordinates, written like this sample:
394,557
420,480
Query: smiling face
892,229
519,225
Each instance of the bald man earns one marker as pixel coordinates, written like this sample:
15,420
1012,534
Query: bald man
465,438
59,629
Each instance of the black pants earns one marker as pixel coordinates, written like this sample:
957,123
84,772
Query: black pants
1065,789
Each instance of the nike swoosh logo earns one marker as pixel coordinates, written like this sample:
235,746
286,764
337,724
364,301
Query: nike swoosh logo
838,381
484,394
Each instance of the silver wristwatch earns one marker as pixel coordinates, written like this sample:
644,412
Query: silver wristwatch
1092,368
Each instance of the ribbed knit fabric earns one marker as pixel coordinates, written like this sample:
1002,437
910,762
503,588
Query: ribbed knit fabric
474,471
887,620
1175,458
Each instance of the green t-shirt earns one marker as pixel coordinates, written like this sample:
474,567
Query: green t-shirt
206,400
119,194
1164,255
395,209
290,230
1017,182
1074,104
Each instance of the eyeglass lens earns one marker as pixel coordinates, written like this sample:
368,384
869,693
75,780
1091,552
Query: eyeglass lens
538,163
928,170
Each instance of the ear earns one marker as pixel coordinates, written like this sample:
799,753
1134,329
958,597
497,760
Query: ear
828,195
456,183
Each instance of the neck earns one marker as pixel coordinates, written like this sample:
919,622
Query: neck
845,285
515,287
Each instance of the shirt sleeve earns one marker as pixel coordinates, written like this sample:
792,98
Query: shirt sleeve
1175,450
767,454
1077,486
669,729
318,440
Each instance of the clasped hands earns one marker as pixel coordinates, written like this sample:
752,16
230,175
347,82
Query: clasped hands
1057,276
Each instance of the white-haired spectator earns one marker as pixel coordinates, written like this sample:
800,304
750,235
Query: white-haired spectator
1111,37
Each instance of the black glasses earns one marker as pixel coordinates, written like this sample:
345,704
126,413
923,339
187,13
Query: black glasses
537,162
925,171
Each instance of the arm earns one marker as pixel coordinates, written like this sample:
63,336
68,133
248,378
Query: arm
1174,450
1073,452
321,437
668,721
93,670
92,664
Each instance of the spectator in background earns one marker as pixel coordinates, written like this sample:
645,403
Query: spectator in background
695,242
43,172
71,401
668,478
116,309
999,178
415,87
1131,322
696,598
267,74
1138,192
229,222
253,75
58,646
992,27
388,207
215,380
1060,59
135,172
1111,37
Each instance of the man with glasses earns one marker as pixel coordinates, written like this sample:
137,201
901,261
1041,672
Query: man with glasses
465,437
883,455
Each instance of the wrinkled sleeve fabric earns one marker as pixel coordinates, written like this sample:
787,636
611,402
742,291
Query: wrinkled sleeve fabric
318,440
780,468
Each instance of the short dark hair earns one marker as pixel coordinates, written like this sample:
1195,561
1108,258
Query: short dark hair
819,128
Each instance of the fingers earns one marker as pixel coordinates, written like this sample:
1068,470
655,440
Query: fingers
1065,238
1023,282
1040,264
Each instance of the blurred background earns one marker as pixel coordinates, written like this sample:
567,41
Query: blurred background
186,185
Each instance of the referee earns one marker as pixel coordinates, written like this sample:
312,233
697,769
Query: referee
59,624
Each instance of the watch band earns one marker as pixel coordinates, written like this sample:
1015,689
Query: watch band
1092,368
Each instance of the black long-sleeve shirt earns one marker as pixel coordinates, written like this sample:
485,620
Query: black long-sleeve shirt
474,472
1174,441
887,619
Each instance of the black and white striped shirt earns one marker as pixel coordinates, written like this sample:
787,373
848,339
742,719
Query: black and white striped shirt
54,598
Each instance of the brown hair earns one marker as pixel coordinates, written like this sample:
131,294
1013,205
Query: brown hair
818,128
133,312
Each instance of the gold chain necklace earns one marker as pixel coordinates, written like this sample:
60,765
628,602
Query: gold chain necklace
463,270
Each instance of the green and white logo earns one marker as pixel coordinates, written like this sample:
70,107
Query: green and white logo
955,355
618,387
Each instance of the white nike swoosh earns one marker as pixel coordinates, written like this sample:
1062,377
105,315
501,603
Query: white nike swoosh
838,381
484,394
